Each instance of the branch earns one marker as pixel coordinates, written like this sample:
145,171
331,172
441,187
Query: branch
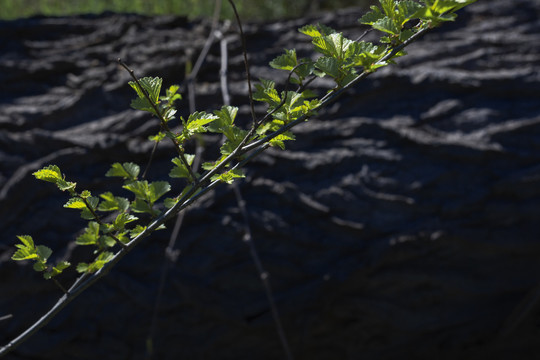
196,191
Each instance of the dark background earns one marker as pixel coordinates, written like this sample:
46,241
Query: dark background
402,224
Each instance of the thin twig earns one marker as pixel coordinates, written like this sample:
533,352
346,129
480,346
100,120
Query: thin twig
246,62
263,274
152,154
57,283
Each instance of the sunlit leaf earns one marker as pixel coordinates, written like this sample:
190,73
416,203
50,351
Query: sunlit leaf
49,173
90,235
387,25
126,170
229,176
197,121
180,169
329,65
372,16
75,203
286,61
27,241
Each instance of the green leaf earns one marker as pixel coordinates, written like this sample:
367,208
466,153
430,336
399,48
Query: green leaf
168,114
148,192
180,170
49,173
39,266
43,252
143,105
27,241
226,116
106,241
316,31
442,6
328,65
287,61
100,261
112,203
158,189
229,176
437,11
235,136
406,34
62,265
75,203
278,140
24,254
82,267
197,121
93,204
152,86
408,10
310,30
127,170
66,185
302,71
90,236
387,25
265,92
136,231
333,45
171,94
56,270
170,202
388,7
158,137
138,188
123,219
52,174
141,206
372,16
26,250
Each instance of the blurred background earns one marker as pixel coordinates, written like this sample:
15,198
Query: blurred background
248,9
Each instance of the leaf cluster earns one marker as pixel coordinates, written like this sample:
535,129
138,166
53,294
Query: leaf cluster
392,16
342,58
27,250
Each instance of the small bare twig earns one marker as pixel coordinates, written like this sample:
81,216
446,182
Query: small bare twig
263,274
150,158
246,63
